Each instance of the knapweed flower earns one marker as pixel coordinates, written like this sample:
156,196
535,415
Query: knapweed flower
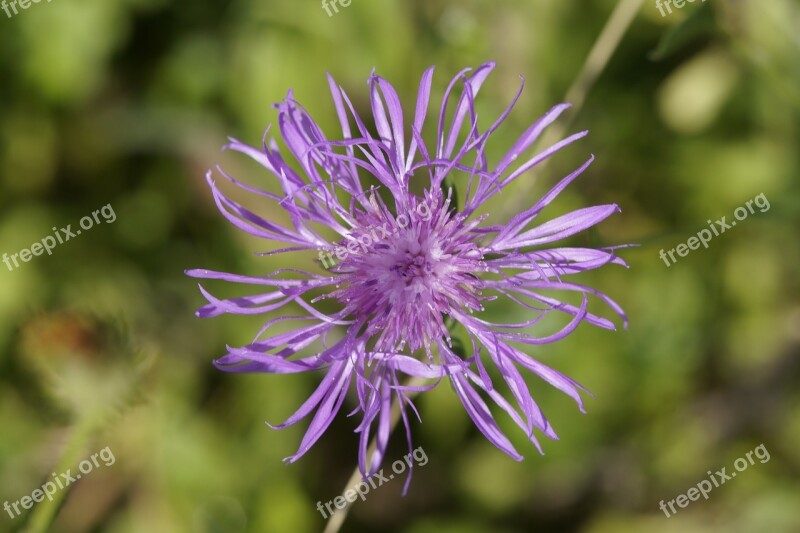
412,268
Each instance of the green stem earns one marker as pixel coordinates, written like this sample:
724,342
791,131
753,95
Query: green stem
336,521
602,51
44,513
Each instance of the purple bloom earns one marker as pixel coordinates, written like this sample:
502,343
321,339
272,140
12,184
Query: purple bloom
410,268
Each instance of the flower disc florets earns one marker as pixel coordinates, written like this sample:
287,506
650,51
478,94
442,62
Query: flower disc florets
409,272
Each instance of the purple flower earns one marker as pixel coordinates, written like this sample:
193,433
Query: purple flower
411,268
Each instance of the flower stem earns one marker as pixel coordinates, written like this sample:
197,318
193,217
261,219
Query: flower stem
599,56
337,519
43,515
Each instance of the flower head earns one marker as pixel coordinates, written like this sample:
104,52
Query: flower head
410,266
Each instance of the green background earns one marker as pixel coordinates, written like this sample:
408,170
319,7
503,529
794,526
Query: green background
127,102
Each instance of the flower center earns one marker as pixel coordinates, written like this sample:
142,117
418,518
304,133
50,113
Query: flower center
413,267
403,285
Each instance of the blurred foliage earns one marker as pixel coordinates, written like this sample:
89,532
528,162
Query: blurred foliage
128,101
